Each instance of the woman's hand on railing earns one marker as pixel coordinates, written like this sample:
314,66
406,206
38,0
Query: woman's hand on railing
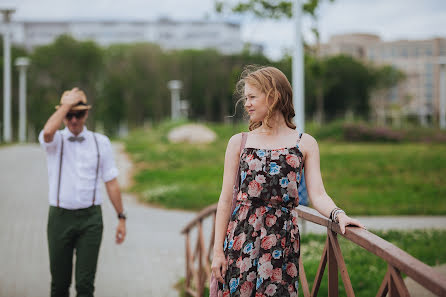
345,220
219,266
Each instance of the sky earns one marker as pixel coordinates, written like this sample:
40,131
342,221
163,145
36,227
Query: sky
390,19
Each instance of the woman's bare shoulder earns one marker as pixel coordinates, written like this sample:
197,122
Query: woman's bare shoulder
308,144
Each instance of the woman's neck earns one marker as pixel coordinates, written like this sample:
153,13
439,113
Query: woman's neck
276,124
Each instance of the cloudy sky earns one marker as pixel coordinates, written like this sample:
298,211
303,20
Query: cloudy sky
391,19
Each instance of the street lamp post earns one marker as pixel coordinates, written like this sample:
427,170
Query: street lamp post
442,113
7,135
175,87
22,63
298,68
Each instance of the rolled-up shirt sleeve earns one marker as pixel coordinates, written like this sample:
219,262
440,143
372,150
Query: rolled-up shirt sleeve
108,167
50,147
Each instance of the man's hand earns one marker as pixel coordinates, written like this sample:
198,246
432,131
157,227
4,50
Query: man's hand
120,232
71,97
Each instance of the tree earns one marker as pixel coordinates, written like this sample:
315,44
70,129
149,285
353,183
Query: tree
267,8
384,78
60,66
348,84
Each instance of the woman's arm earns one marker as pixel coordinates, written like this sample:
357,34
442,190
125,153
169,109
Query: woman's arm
69,99
315,186
232,158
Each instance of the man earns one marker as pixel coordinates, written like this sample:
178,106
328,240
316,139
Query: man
76,159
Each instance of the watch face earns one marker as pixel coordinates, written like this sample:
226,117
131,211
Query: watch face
122,216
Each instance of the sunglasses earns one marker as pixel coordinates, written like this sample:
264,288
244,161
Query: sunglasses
77,115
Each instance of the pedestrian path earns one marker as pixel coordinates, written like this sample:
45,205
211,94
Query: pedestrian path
149,262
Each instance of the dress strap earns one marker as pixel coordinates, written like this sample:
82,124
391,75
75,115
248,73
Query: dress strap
300,137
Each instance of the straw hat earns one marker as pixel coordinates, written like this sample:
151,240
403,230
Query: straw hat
81,105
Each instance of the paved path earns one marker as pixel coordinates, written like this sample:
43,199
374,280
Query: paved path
149,262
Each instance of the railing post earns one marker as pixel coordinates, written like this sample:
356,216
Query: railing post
333,290
188,276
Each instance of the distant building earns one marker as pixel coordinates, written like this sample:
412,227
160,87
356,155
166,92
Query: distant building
419,94
169,34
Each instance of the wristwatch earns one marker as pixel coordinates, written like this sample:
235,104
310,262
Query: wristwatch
122,216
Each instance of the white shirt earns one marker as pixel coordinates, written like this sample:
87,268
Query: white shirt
78,174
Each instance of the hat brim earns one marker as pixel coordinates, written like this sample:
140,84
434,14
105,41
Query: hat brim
78,107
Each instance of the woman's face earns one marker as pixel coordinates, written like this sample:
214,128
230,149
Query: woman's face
255,103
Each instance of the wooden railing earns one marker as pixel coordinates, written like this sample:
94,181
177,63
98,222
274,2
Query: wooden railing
198,260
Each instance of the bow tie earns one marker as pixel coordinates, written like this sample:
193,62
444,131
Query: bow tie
76,138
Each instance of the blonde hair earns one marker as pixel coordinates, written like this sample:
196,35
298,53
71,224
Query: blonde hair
272,82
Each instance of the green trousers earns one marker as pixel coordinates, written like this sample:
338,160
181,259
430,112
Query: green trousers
72,232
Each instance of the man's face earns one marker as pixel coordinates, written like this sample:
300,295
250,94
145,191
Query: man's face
75,121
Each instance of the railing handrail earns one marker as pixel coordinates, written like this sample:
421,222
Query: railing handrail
412,267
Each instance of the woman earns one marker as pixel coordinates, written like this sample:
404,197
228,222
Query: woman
256,251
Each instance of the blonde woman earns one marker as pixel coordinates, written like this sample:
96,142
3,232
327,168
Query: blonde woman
256,251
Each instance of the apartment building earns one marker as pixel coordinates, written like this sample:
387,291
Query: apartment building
419,94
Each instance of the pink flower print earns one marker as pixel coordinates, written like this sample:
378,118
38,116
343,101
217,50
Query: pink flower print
246,289
251,276
254,189
252,219
238,263
258,224
231,226
259,295
291,176
260,179
265,258
270,220
271,290
295,245
243,212
245,265
238,241
277,275
265,270
262,210
249,158
278,213
291,269
283,242
269,241
256,250
275,155
292,189
255,165
276,199
262,232
292,160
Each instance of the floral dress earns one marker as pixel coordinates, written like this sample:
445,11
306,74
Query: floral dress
262,240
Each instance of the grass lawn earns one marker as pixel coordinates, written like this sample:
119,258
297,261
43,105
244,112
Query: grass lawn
365,179
366,270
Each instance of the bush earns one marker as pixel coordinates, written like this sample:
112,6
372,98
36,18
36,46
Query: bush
363,132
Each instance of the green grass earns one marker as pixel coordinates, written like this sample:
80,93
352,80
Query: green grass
366,270
363,178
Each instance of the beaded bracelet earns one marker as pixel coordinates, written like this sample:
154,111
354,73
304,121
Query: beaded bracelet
332,212
336,214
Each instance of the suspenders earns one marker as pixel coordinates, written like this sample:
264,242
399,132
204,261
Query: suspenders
60,169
